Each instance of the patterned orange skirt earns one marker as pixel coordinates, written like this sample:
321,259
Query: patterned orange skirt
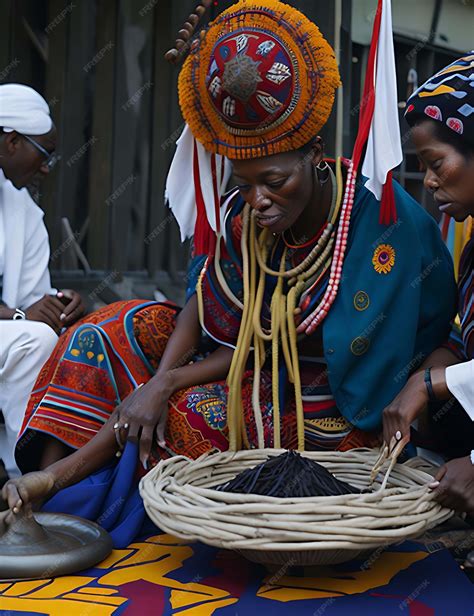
104,357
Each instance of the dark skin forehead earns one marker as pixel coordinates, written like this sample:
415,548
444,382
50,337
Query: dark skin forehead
425,139
262,168
448,166
429,142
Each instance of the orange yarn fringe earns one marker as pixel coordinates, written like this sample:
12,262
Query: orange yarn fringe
313,56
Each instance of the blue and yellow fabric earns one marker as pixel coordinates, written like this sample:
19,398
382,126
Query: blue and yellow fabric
456,235
161,575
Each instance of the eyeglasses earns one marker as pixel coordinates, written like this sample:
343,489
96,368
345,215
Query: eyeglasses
51,158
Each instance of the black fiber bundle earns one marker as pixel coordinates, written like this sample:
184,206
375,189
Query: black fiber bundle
288,475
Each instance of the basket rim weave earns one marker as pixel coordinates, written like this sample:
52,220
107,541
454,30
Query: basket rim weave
179,498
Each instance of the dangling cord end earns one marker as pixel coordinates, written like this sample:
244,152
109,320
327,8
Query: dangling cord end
388,209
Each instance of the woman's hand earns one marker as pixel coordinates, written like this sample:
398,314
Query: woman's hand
28,489
404,409
146,410
455,489
74,309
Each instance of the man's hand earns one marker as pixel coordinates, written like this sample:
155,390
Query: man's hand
456,485
47,310
74,309
6,313
145,411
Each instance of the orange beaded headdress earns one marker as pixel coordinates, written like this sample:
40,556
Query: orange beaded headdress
260,80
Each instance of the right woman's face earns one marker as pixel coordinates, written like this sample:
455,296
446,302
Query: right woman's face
449,175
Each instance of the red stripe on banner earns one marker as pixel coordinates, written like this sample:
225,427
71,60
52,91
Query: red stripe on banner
367,104
388,209
203,233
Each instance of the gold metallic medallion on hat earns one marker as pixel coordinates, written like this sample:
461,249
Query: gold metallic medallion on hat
260,81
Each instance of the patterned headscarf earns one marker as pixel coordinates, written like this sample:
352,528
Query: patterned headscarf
447,97
261,80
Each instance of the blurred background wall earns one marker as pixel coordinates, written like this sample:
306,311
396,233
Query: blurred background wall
100,65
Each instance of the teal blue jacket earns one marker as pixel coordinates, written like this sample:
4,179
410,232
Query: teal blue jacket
383,325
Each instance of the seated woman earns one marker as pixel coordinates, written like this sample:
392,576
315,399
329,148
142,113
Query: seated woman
303,300
441,114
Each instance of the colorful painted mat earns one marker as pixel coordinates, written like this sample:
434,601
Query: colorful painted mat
162,575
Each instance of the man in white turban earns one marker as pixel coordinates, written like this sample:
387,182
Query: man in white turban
32,314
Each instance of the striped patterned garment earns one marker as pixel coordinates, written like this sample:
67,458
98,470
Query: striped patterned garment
466,299
325,427
96,364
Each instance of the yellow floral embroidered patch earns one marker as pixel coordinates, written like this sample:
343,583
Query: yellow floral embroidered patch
383,259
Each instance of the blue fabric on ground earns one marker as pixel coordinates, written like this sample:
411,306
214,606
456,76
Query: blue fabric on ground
109,497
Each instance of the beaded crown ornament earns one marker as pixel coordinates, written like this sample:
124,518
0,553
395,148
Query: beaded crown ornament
260,81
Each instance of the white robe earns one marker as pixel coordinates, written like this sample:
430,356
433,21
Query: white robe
26,248
24,345
460,382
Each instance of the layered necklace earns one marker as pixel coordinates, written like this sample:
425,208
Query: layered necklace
316,263
327,255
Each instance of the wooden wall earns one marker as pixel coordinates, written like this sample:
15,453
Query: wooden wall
114,99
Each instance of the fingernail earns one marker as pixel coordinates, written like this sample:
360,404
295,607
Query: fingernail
433,485
162,444
144,463
62,317
16,510
60,294
398,435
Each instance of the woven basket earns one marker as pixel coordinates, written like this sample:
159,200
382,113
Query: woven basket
315,530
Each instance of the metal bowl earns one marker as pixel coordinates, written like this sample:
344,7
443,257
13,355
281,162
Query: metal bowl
51,544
